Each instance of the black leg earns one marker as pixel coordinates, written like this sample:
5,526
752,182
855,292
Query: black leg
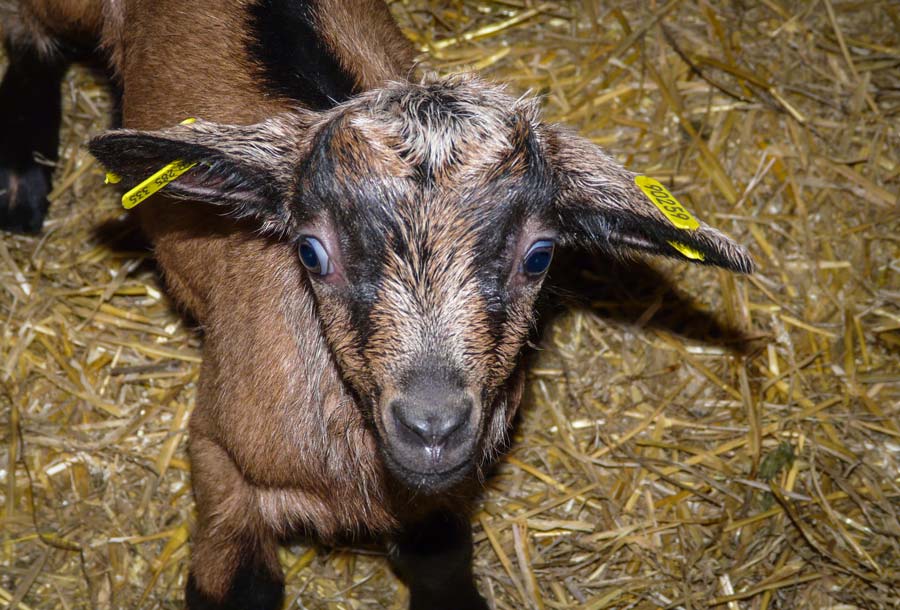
434,558
253,587
30,116
234,556
253,584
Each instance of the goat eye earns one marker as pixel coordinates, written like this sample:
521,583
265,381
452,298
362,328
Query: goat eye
538,257
314,256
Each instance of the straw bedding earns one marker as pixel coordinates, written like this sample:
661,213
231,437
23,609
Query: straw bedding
690,439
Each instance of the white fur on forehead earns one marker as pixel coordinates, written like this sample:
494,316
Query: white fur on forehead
445,121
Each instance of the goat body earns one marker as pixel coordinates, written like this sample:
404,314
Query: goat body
360,386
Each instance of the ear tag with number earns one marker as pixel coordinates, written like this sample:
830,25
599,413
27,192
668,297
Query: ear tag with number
155,182
673,210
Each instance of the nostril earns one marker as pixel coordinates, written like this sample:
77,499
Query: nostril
452,421
404,414
432,426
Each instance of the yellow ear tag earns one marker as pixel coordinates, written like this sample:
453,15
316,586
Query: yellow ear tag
155,182
674,211
667,204
688,251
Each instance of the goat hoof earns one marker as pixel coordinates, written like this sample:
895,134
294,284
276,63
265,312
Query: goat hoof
23,198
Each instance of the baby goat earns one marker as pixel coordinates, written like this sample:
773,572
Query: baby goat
363,252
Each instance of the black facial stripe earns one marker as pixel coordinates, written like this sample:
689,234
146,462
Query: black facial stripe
337,177
521,188
295,60
536,187
514,198
364,250
316,172
362,299
496,242
336,184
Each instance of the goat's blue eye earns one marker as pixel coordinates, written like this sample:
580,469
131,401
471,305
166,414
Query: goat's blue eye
314,256
538,257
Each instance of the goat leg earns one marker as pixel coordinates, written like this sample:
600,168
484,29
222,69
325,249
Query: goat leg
434,557
30,116
234,562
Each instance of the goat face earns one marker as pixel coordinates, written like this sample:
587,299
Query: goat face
426,216
426,245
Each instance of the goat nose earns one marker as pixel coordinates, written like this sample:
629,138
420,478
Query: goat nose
431,424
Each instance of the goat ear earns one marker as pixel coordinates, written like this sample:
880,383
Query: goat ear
247,168
600,204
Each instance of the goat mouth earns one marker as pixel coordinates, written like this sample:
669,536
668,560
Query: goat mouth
429,481
437,473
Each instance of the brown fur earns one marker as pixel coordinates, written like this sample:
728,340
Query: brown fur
44,24
366,39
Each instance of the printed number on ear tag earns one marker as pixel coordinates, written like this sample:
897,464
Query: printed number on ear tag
667,204
155,182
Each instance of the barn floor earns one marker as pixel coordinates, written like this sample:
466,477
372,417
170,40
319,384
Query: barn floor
690,439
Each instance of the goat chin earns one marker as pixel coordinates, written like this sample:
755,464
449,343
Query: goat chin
429,481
